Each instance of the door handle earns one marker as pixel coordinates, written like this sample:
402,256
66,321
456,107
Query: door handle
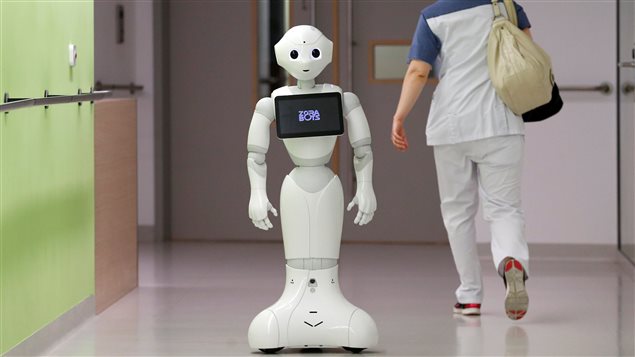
630,64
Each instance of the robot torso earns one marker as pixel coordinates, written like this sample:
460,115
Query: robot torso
314,150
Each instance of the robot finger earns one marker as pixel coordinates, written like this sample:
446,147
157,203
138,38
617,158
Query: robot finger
367,218
273,210
260,224
351,205
359,217
364,219
268,223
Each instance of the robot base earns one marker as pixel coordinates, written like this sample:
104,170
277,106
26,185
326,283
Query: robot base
276,350
312,313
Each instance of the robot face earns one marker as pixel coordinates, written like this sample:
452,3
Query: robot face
304,52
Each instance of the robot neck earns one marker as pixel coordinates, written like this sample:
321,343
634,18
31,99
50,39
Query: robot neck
306,84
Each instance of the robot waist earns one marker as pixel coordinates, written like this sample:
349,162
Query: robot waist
312,263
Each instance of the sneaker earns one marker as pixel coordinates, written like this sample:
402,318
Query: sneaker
467,309
516,298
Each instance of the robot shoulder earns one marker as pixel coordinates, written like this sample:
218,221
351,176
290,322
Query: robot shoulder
281,91
265,107
329,88
351,101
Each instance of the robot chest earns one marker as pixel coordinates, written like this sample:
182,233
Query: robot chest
308,124
310,151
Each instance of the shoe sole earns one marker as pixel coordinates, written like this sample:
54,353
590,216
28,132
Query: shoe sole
470,311
516,298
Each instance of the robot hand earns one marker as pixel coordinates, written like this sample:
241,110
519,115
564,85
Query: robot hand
366,202
259,205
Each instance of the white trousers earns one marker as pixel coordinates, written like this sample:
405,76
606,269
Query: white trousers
492,167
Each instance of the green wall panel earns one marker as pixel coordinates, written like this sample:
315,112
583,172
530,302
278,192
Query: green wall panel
46,167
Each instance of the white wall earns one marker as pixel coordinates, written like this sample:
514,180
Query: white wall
131,61
570,177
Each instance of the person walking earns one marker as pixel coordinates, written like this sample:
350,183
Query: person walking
478,145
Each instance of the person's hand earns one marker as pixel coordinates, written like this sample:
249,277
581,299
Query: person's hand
259,206
398,137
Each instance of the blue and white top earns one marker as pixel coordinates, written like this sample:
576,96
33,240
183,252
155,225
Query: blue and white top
452,36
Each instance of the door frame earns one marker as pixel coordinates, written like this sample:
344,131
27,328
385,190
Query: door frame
619,141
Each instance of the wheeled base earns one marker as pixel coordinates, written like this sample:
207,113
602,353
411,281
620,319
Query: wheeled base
312,313
275,350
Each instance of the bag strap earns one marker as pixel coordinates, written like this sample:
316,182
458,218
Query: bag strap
511,12
509,7
497,10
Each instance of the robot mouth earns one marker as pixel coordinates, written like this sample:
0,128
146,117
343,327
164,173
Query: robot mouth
305,70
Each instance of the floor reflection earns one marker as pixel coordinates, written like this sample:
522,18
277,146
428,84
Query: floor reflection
199,298
516,341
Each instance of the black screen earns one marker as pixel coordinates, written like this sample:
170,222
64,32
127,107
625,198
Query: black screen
305,115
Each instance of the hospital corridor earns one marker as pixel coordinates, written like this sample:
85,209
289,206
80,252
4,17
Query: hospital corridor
316,177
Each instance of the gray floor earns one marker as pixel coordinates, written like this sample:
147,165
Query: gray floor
199,298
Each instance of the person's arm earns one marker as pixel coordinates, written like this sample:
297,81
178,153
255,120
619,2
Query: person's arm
414,81
528,32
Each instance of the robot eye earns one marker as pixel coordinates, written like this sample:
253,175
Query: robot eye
293,54
315,53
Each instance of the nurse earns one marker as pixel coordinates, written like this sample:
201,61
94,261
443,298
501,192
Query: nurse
478,145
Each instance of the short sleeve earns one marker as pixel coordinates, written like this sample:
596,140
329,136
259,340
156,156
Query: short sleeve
425,44
523,20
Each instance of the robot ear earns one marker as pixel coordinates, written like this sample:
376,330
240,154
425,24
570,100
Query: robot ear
278,48
327,50
282,50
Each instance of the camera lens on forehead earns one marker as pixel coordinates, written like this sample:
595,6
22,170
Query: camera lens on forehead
293,54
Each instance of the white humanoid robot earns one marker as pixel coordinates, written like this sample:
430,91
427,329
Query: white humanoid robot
312,312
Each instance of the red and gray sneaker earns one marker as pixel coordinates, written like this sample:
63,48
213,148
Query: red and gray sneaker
467,309
516,298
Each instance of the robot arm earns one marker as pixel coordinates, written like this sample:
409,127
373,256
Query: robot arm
359,136
257,146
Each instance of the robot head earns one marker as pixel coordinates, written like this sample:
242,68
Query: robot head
304,52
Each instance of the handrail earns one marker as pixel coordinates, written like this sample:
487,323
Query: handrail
604,88
17,103
132,87
10,104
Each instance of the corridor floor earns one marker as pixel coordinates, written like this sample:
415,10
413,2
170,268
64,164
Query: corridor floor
199,298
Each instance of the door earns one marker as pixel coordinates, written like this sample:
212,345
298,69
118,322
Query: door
213,90
626,118
570,167
405,183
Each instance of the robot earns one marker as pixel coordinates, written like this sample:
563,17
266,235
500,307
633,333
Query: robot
312,312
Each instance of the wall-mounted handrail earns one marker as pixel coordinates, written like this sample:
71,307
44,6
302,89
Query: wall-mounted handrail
132,87
11,104
604,88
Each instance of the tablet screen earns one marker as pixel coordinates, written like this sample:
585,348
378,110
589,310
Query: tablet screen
304,115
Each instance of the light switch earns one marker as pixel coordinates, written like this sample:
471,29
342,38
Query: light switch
72,55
